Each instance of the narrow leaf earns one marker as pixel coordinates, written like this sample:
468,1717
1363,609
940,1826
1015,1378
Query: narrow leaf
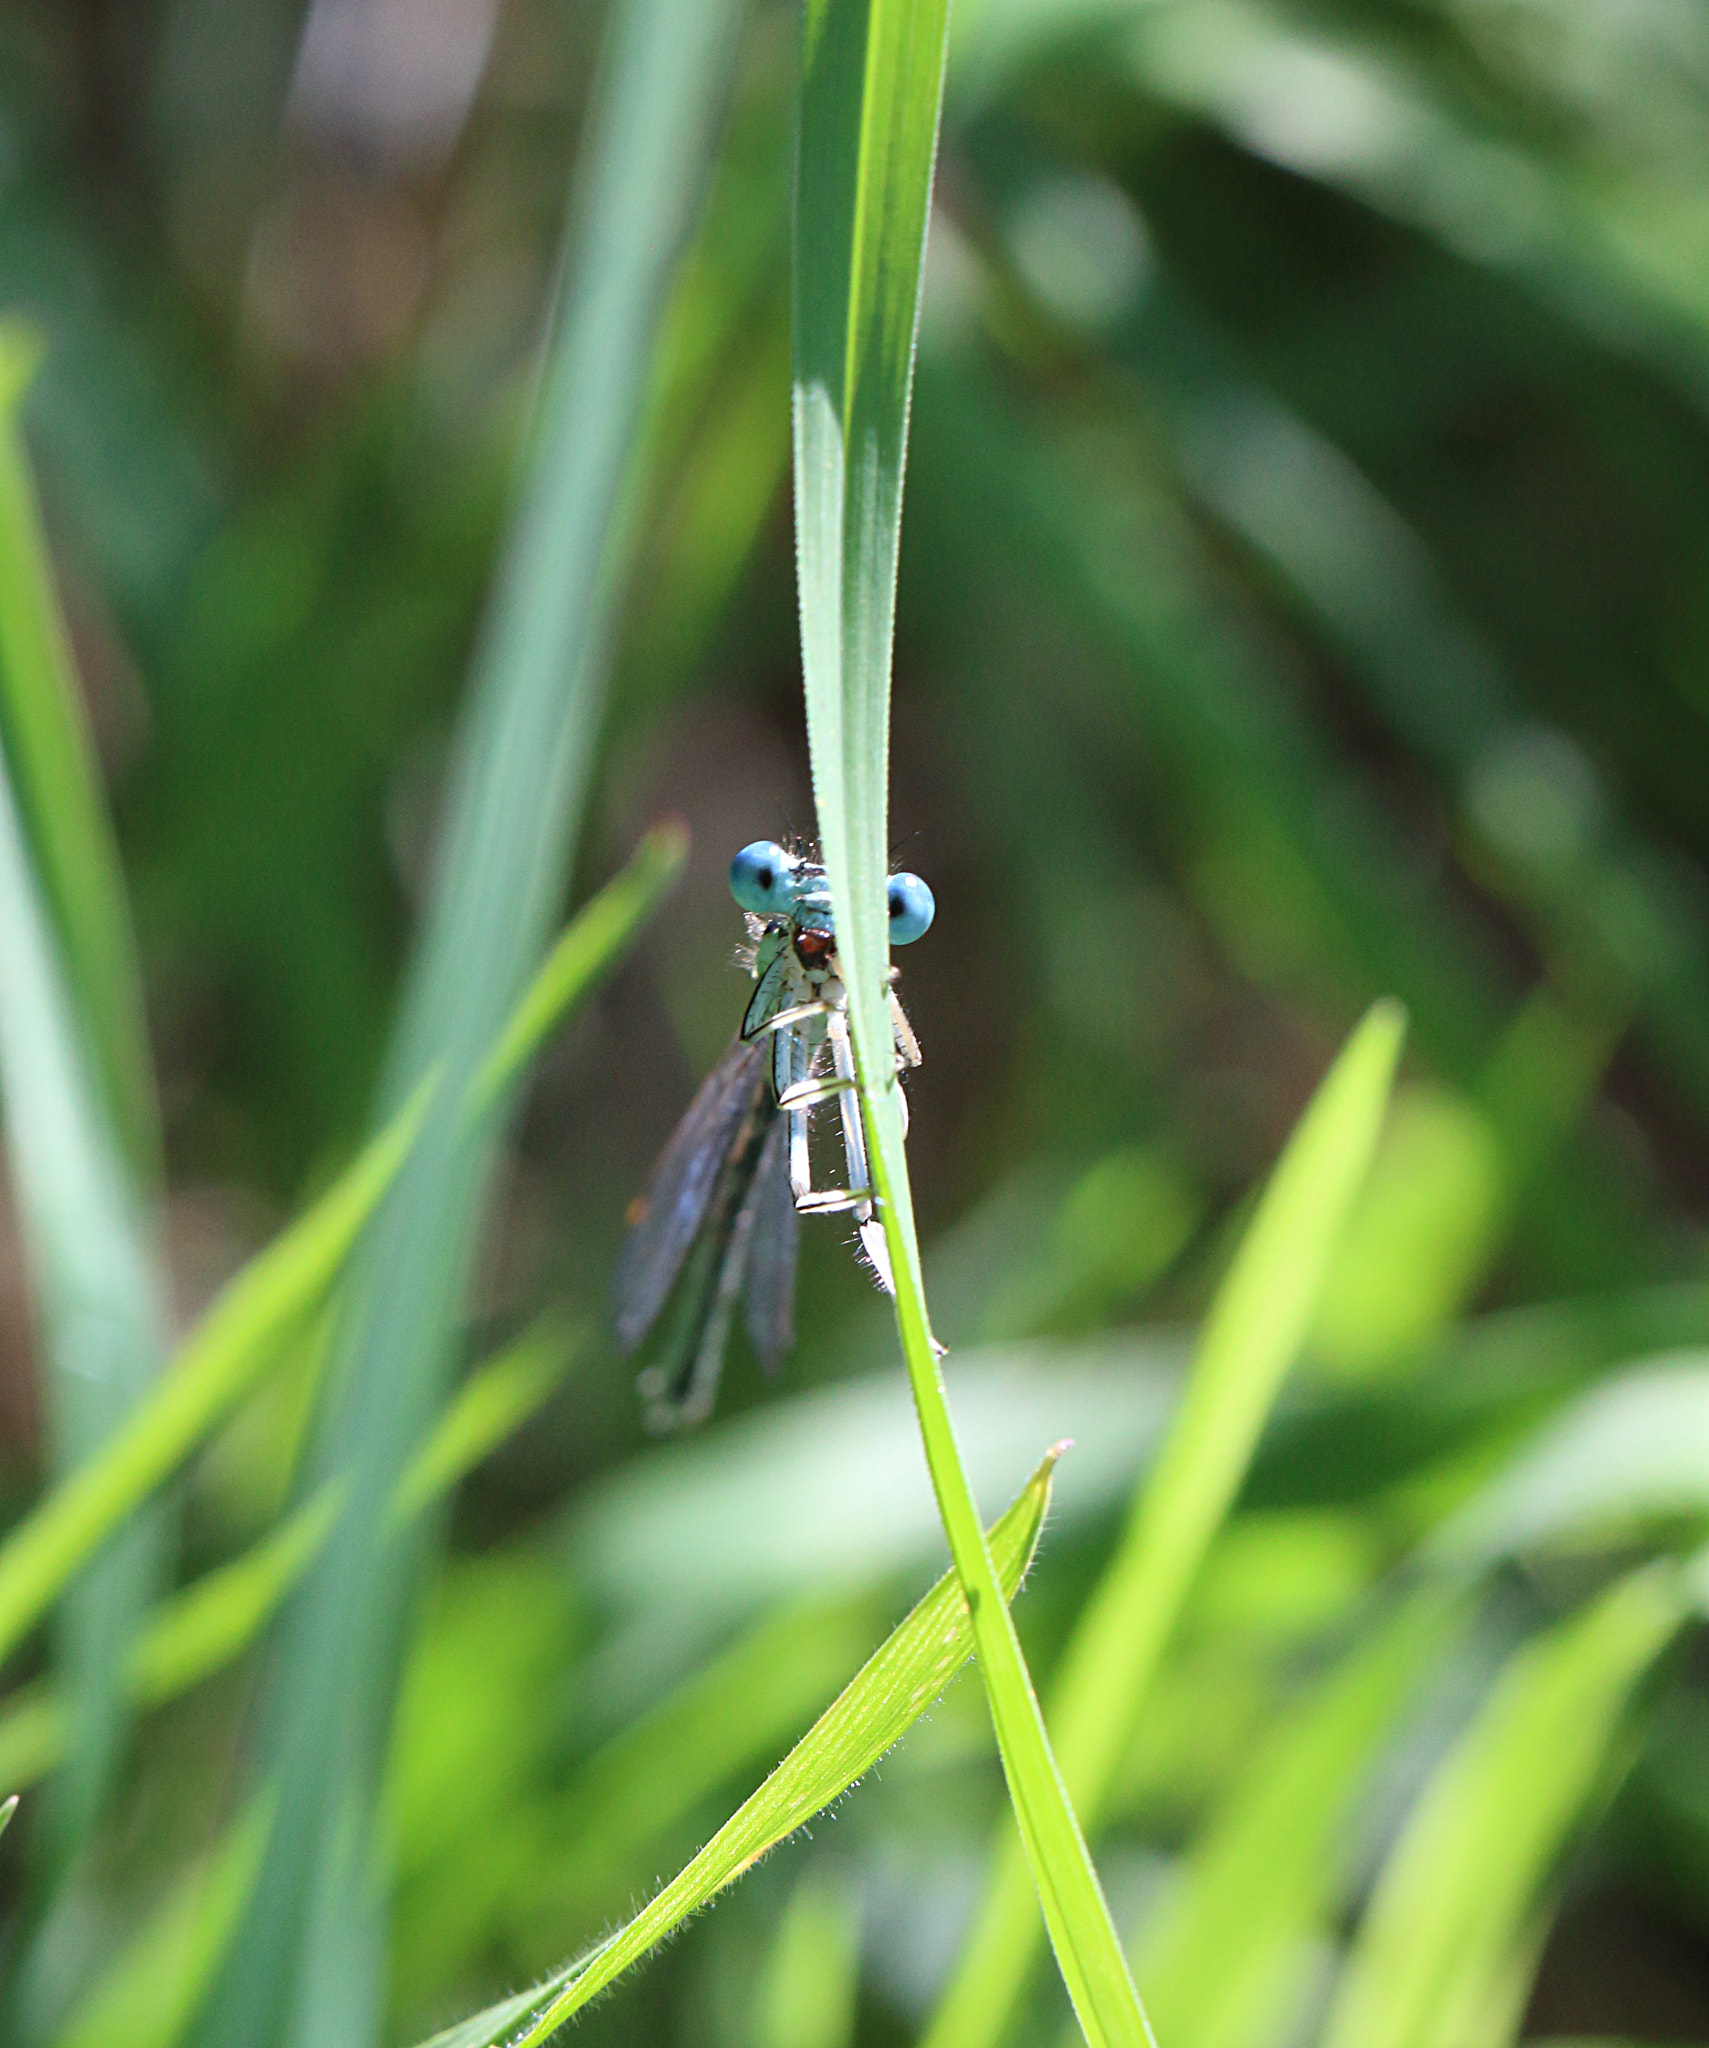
210,1623
872,89
1462,1885
222,1359
244,1332
44,734
98,1297
873,1712
1254,1329
595,939
519,772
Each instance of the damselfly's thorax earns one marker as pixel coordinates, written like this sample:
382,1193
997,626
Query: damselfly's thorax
814,949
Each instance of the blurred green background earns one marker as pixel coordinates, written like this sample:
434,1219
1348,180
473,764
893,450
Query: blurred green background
1305,597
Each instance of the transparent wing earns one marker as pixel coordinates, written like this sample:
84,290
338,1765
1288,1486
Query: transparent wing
667,1217
680,1384
775,1236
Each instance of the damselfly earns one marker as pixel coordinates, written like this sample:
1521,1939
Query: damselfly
718,1219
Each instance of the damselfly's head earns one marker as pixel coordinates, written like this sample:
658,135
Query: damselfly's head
770,882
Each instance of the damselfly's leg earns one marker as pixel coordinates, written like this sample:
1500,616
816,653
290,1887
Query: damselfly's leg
848,1104
840,1082
798,1091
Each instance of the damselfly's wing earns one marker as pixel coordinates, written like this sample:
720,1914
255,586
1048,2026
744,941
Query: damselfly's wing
775,1237
665,1220
680,1383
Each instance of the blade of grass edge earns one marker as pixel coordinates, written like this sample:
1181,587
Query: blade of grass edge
877,1707
1256,1325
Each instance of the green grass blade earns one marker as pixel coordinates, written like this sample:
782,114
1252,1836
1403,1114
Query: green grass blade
735,1712
872,89
873,1712
58,785
518,778
150,1996
210,1623
1256,1325
490,1405
221,1360
1261,1882
1460,1890
595,939
98,1298
245,1331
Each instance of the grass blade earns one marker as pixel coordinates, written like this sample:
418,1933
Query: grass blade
58,788
518,777
872,1713
248,1327
222,1359
1433,1962
872,90
98,1299
149,1998
1256,1325
210,1623
1261,1882
592,943
150,1995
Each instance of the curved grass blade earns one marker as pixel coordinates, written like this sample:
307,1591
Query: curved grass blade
873,1712
225,1355
246,1329
99,1300
210,1623
1263,1880
1251,1337
150,1994
58,785
1435,1959
590,946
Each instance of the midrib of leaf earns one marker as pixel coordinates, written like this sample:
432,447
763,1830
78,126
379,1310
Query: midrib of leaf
860,246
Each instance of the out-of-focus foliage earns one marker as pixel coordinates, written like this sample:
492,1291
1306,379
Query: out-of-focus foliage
1302,601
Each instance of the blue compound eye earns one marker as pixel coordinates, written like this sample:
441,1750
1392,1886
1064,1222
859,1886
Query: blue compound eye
912,908
762,879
